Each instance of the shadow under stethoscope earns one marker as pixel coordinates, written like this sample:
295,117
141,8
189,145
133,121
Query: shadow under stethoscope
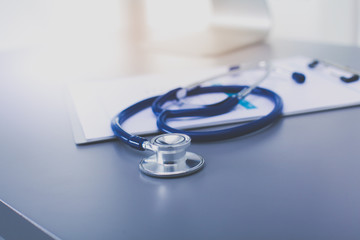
165,191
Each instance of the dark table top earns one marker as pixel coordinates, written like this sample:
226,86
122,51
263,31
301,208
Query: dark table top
298,179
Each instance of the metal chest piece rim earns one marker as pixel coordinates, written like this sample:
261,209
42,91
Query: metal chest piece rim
171,159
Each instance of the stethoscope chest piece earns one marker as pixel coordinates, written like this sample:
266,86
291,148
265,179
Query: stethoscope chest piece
171,158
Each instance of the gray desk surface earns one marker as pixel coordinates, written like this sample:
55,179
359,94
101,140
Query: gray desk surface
298,179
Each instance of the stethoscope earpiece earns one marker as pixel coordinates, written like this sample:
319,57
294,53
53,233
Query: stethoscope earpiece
171,158
298,77
336,70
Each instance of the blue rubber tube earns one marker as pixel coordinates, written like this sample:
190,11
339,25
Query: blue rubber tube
208,110
217,109
129,139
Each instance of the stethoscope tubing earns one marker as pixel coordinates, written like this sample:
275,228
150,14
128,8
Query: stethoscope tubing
217,109
133,141
206,111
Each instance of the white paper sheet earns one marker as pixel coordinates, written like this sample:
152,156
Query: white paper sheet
97,102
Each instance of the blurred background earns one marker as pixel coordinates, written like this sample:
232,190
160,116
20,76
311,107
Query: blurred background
93,39
324,21
24,22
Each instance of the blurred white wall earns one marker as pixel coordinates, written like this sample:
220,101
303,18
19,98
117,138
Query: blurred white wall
25,22
328,21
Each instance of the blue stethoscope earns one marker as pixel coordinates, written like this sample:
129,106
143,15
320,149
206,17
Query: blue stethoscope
171,158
